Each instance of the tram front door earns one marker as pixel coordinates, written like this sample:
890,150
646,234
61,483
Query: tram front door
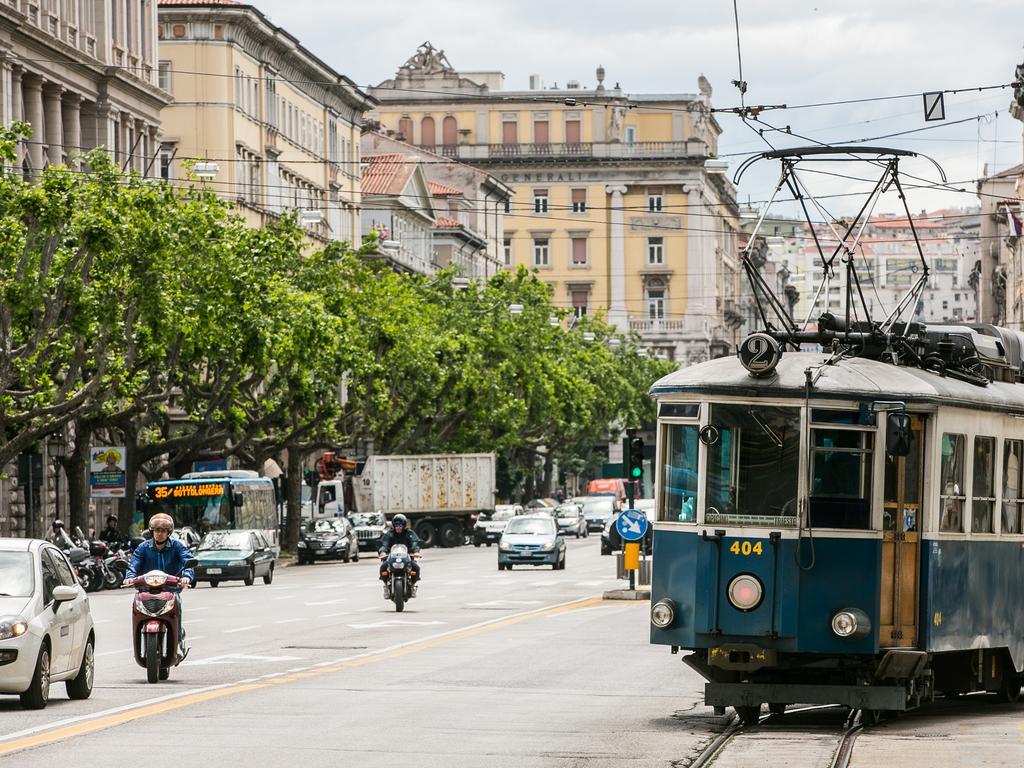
901,526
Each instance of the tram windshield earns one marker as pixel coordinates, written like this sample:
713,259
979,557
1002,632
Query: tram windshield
753,465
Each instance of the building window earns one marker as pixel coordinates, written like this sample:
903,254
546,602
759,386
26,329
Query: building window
631,134
164,75
540,201
508,206
656,303
507,251
579,251
540,132
579,201
238,87
271,98
166,158
579,303
655,250
572,131
654,201
428,134
405,129
450,131
541,253
509,132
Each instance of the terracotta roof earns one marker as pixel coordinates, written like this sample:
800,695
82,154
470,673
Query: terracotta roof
386,174
199,2
445,223
438,189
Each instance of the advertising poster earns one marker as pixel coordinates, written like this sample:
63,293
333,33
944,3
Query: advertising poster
107,472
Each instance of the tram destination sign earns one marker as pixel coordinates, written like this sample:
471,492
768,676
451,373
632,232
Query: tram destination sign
758,520
191,491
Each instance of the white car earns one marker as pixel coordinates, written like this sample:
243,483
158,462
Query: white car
46,627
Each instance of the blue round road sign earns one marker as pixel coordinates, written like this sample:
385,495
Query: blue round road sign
632,525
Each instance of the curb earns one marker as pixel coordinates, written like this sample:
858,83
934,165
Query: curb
627,594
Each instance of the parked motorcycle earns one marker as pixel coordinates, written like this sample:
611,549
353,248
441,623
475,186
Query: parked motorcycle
155,619
400,587
116,567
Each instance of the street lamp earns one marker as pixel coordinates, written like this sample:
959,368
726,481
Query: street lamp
206,170
515,309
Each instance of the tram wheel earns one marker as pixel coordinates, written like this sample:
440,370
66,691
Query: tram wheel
870,717
777,709
749,715
1009,691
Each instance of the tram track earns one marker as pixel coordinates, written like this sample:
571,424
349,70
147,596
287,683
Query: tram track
792,745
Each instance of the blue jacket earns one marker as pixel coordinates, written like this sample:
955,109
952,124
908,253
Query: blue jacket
170,560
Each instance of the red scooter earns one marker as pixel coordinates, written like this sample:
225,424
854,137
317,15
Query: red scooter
155,619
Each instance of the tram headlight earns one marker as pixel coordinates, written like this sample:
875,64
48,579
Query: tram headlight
851,622
663,613
745,592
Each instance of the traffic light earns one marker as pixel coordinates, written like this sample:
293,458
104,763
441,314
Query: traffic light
635,458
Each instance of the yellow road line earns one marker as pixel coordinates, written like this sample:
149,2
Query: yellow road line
127,716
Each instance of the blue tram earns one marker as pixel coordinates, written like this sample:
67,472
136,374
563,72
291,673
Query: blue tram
844,529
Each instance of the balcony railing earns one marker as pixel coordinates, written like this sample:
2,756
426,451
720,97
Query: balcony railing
572,150
648,325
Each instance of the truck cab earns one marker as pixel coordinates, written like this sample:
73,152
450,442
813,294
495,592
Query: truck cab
329,498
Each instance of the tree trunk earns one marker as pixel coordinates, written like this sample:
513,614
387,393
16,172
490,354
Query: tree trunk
549,471
126,506
76,467
294,511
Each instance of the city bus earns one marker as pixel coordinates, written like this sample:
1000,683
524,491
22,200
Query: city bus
216,500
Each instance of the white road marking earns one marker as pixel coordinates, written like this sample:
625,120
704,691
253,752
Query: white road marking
101,621
285,597
332,615
458,583
493,603
241,629
326,602
397,623
193,610
237,658
371,608
548,583
111,653
244,602
597,583
286,621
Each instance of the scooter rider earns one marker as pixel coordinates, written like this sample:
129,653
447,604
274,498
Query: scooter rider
110,535
162,553
400,533
59,536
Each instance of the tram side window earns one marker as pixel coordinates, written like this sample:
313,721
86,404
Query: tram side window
951,494
841,479
983,492
679,478
1013,504
753,465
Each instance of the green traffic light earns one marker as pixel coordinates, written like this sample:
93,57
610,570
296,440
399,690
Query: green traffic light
637,471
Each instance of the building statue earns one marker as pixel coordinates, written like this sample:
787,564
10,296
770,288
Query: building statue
428,60
618,117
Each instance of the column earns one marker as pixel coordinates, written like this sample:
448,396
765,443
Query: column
617,306
32,87
701,285
54,123
141,136
17,100
72,113
6,115
153,162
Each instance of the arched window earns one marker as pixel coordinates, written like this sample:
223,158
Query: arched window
427,133
450,131
405,128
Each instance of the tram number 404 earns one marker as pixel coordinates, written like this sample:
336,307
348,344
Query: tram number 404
746,548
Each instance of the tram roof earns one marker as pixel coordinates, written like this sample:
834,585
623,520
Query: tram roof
853,378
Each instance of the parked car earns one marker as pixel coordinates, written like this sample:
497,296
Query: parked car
488,527
235,555
646,506
597,510
531,540
570,520
369,528
328,538
46,627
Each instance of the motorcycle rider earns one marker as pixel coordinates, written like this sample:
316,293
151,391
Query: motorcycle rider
110,535
162,553
59,536
400,533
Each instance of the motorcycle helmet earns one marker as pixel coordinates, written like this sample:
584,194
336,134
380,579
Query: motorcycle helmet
161,520
57,525
399,520
112,519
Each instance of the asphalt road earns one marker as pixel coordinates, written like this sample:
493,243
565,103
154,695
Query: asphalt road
525,668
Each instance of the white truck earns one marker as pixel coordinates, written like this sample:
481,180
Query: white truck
441,494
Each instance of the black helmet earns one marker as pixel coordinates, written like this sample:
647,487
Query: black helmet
112,518
58,524
399,520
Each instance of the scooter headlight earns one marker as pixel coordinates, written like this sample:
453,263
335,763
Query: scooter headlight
151,606
155,579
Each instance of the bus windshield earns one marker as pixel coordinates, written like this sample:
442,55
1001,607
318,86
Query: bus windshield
753,465
203,506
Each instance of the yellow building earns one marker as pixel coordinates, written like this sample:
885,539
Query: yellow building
618,203
263,119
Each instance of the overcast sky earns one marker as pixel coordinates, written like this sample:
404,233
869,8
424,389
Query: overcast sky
794,52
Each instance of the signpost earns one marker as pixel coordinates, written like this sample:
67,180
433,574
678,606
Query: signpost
631,524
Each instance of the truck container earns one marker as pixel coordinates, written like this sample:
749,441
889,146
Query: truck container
441,494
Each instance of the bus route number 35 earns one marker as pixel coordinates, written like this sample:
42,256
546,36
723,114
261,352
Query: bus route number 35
746,548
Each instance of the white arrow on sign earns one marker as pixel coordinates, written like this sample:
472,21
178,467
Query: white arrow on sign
396,623
631,525
237,658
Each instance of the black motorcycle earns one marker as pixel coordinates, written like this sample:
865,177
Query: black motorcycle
400,585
